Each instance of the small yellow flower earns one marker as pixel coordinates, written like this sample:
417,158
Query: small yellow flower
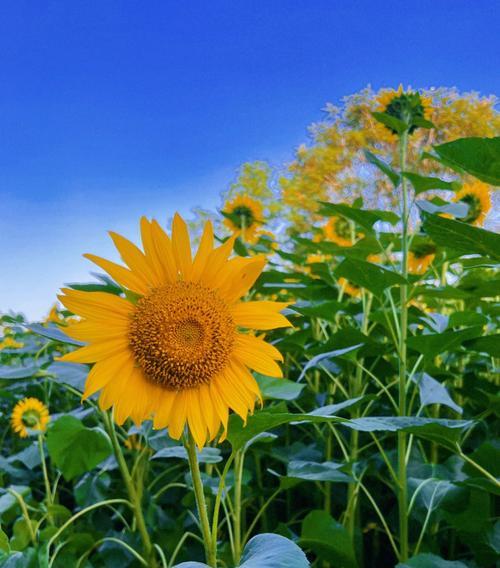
339,231
420,257
478,198
349,288
244,216
10,343
54,315
29,414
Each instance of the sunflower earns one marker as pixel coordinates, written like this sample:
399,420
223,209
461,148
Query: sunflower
400,104
10,343
172,348
477,196
29,414
349,288
339,231
244,215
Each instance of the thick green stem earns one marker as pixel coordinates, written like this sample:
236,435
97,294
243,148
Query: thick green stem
403,320
208,542
238,511
133,493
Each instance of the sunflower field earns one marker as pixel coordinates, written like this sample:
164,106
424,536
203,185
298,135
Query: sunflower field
308,377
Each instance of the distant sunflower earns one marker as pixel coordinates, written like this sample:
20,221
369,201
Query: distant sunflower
245,215
420,257
29,414
349,288
339,231
401,104
10,343
173,349
477,196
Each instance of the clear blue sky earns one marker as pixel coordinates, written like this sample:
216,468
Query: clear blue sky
113,109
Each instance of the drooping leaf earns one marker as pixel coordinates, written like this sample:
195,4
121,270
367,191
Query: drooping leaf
207,455
328,539
365,218
461,237
433,392
383,167
479,157
312,471
53,332
279,389
318,359
74,448
428,560
390,121
424,183
272,551
433,344
18,372
368,275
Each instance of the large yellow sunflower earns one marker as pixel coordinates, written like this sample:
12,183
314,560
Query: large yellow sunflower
244,215
339,231
173,348
29,414
477,196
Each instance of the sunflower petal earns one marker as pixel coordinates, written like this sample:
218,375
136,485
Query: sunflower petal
260,315
181,246
122,275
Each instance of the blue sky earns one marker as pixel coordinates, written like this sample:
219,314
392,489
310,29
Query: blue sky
114,109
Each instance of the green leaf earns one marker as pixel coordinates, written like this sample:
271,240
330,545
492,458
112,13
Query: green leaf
74,448
433,392
459,209
7,500
239,434
489,344
53,332
328,539
272,551
72,374
365,218
425,183
479,157
279,389
391,121
12,373
207,455
313,471
430,561
315,361
4,542
382,166
367,275
444,432
462,237
433,344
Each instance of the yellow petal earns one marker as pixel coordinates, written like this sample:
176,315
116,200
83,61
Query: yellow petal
196,421
206,246
178,416
165,253
124,276
207,406
96,305
134,258
260,315
258,355
105,371
89,331
164,409
216,261
150,251
231,396
96,351
181,246
239,276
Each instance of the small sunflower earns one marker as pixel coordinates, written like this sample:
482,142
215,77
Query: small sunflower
477,197
349,288
339,231
404,105
244,215
29,414
420,257
173,348
10,343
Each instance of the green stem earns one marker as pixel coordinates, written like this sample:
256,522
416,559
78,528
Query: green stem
210,549
403,329
134,495
238,480
48,491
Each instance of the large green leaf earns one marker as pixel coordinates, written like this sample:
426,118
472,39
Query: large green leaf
207,455
433,344
328,539
317,360
445,432
430,561
424,183
477,156
365,218
391,122
239,433
367,275
265,551
313,471
18,372
279,389
461,237
53,332
74,448
383,167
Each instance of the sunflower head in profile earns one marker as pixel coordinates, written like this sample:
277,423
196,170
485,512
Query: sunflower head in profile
477,197
244,215
406,106
339,230
29,414
420,257
349,288
174,348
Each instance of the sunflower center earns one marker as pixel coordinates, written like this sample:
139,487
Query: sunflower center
31,418
243,216
474,208
182,335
